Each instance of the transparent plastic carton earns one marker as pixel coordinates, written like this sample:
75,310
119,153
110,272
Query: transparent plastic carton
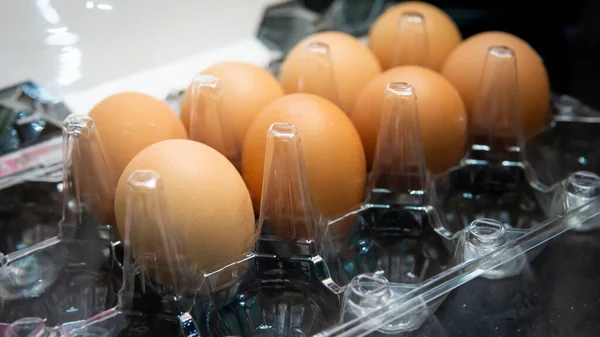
382,268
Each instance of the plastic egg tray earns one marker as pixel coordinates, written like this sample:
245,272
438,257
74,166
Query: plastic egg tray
383,268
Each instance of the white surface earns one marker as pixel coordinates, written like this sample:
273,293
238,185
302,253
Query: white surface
85,50
161,80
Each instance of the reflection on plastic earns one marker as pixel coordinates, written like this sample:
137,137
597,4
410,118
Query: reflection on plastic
411,44
317,76
209,124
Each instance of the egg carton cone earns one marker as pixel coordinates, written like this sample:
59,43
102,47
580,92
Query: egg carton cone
414,226
317,76
208,121
68,284
160,283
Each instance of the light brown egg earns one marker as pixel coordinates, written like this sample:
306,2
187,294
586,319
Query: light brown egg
465,64
129,122
333,152
206,196
352,66
442,115
246,89
441,31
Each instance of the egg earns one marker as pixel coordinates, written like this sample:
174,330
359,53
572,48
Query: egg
440,32
464,67
206,198
442,115
333,153
352,66
129,122
246,89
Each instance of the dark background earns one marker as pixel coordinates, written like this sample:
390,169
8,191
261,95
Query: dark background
565,33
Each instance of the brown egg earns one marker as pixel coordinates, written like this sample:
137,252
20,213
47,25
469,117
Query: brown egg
442,33
353,66
442,115
465,64
246,89
129,122
333,152
206,196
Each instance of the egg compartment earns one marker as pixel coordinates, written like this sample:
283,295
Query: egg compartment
66,283
505,177
283,288
397,240
273,296
396,232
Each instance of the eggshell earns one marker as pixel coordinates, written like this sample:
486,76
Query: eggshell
206,196
464,67
333,152
246,89
129,122
442,115
354,65
442,33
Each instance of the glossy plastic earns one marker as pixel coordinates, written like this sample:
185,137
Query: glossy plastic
208,121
